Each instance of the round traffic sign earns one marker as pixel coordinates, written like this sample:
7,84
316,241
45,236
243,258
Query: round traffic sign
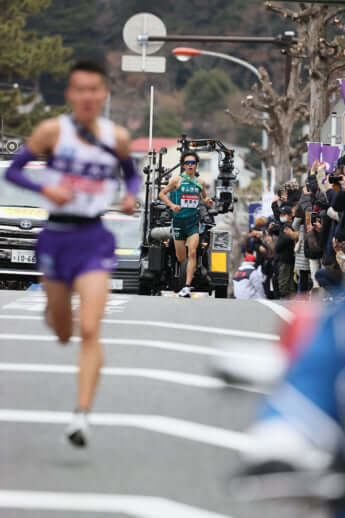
138,28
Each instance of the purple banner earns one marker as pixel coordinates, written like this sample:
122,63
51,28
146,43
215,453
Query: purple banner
314,152
342,87
330,155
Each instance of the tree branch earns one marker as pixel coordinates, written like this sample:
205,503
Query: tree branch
264,154
267,86
249,120
301,147
334,13
286,13
253,104
305,92
302,111
305,14
334,69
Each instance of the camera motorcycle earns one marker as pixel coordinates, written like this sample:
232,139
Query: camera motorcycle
160,269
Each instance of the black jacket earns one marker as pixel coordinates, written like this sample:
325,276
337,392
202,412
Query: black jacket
285,248
312,245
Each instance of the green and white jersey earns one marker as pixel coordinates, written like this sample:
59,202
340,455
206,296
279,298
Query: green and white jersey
188,196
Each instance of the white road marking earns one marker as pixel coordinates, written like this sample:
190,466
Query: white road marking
281,311
210,435
194,328
133,505
237,350
169,325
37,303
179,378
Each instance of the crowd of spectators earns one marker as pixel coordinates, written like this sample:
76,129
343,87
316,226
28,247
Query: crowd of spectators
300,248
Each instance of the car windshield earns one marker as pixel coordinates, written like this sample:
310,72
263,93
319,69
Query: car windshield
12,195
126,230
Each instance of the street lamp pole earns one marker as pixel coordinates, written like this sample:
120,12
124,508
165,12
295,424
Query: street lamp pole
281,40
228,57
284,41
187,53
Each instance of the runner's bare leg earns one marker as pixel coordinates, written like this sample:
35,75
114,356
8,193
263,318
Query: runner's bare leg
59,309
92,288
193,243
180,249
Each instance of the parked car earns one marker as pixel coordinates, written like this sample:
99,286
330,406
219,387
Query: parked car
127,232
21,220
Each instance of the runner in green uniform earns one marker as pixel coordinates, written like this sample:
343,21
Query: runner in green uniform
186,191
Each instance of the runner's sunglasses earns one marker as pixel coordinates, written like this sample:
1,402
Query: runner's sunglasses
189,162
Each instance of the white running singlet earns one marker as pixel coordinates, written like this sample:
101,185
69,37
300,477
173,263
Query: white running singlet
89,171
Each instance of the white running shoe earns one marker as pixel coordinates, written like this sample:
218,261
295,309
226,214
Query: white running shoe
77,432
185,292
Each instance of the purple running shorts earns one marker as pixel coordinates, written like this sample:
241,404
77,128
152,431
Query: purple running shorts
64,255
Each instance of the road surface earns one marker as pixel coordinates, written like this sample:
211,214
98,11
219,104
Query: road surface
166,432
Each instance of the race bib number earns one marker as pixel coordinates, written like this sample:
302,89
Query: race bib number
79,184
190,201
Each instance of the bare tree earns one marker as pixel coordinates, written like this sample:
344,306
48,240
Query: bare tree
323,52
307,94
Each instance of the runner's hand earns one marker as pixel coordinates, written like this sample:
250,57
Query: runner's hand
315,166
176,208
209,202
58,194
129,204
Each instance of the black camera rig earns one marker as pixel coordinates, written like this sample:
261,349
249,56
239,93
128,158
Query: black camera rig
160,268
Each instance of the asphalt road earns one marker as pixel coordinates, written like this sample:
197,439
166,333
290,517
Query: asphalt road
166,432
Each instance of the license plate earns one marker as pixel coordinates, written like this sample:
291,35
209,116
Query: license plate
116,284
23,256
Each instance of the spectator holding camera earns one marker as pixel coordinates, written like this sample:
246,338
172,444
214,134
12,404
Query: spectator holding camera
312,246
301,261
285,253
279,200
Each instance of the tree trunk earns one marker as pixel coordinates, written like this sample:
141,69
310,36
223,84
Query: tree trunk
318,74
281,158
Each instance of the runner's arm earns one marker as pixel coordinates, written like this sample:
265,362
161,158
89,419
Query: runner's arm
42,141
123,148
204,196
172,186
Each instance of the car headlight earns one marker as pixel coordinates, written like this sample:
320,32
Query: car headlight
5,254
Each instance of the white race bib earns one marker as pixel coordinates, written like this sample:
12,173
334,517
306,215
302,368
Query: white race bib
190,201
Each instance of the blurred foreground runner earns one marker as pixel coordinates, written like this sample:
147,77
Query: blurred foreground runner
297,444
75,252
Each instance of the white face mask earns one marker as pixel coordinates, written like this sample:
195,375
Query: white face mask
283,219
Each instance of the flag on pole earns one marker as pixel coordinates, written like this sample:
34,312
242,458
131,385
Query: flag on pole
314,152
330,155
342,87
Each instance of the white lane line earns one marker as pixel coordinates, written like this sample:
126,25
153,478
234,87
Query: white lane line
279,310
210,435
38,304
202,329
169,325
238,351
133,505
179,378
